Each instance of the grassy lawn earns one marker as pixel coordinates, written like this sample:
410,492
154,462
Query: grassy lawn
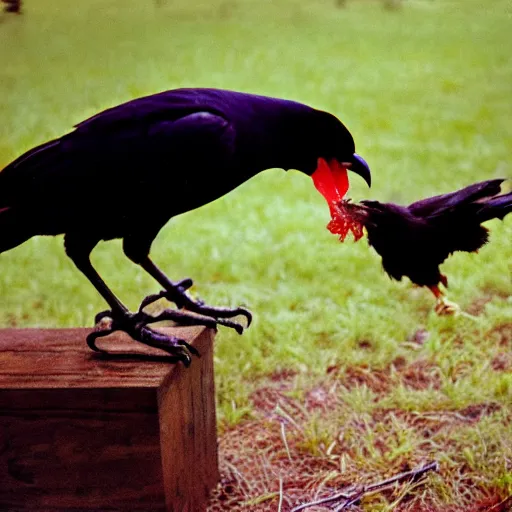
345,377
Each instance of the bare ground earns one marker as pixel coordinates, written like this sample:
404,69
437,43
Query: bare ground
302,446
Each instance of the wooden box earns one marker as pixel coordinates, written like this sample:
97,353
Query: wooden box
81,433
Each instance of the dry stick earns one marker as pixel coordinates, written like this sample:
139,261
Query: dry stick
352,501
506,501
356,495
330,499
280,507
285,442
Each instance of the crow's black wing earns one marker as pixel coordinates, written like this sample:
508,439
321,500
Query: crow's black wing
123,126
165,106
438,205
457,217
497,207
116,156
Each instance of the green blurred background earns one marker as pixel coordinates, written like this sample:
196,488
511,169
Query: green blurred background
425,89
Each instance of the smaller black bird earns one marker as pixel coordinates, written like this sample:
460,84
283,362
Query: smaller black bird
414,240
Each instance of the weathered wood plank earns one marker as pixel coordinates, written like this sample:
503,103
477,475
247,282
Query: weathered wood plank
82,433
32,358
193,398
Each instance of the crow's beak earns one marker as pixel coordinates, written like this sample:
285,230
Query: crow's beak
359,166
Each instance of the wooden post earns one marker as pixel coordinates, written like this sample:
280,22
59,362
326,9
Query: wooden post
78,432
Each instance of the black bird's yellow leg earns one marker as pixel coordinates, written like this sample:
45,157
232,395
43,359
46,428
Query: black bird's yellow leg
443,306
78,248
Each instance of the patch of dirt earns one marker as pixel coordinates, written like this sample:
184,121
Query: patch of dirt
418,375
503,334
377,380
421,375
502,362
477,411
307,443
365,344
266,459
477,307
428,424
419,337
322,398
267,398
283,375
254,463
490,504
257,470
460,369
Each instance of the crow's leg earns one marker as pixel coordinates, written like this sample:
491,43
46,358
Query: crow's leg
443,306
78,248
179,296
137,249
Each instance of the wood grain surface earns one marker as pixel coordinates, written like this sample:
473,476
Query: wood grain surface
81,433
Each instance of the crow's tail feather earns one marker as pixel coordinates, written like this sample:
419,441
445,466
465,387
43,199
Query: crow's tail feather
27,167
496,207
438,206
28,157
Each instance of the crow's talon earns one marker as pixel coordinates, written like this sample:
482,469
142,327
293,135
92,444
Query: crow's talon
136,326
184,284
179,291
93,336
181,317
189,347
103,314
210,315
239,328
150,299
248,315
176,347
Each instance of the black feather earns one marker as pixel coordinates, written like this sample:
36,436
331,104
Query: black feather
414,240
134,166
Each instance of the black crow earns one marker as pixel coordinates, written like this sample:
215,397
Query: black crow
126,171
414,240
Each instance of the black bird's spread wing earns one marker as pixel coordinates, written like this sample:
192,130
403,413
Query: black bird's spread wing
165,106
117,152
438,205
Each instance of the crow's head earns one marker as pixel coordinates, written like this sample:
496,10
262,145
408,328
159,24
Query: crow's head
329,151
289,135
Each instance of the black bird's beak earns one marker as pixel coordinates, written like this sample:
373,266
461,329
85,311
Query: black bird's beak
359,165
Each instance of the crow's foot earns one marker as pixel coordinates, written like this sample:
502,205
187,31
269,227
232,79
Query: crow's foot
196,312
444,307
136,326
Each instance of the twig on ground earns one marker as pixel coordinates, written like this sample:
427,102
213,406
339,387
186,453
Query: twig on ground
501,505
285,441
353,495
280,507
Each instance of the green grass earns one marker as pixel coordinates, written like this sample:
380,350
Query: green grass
426,92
